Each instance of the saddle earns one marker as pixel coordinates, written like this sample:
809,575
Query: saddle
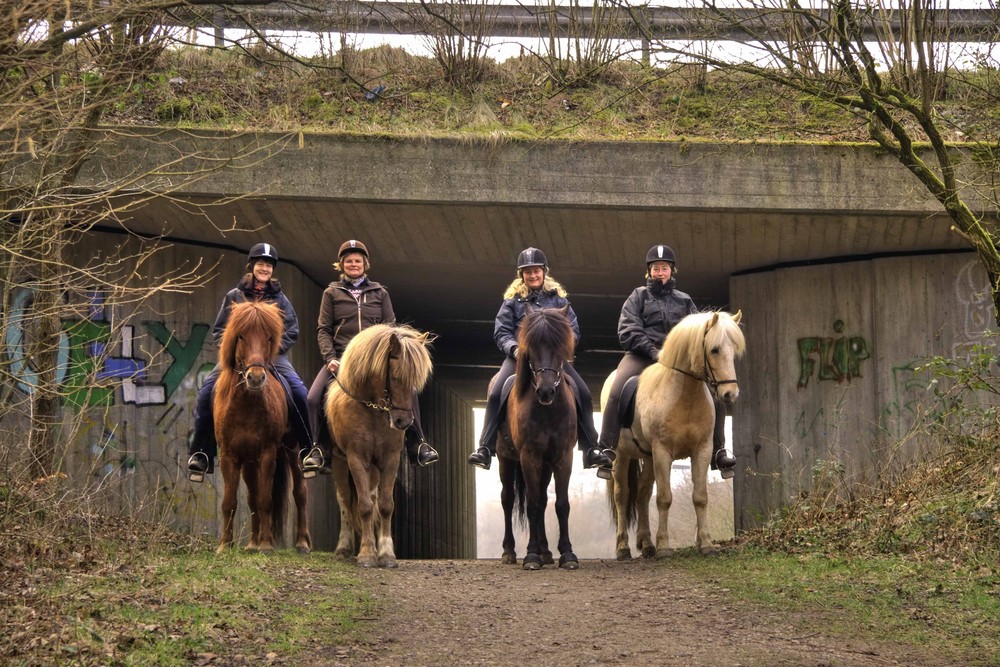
626,403
509,384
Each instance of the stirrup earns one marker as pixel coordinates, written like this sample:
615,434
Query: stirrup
198,465
426,454
476,458
312,462
725,464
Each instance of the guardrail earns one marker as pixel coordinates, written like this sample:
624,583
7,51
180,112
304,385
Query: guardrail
521,20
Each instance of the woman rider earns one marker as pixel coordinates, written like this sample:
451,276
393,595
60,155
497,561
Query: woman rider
534,285
257,284
349,305
648,315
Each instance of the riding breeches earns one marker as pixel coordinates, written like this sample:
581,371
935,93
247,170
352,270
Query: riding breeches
611,422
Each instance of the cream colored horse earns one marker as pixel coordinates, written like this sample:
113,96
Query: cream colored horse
674,419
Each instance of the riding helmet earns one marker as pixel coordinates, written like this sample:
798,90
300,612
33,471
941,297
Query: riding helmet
660,253
262,251
531,257
352,246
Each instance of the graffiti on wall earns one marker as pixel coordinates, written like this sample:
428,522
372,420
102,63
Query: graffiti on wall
88,350
831,359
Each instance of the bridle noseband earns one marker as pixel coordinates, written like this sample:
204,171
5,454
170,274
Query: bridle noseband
243,371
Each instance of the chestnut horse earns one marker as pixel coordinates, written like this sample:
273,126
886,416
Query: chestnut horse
368,407
541,427
674,419
251,426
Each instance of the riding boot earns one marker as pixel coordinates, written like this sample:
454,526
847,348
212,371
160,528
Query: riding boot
202,447
483,456
722,460
594,455
418,450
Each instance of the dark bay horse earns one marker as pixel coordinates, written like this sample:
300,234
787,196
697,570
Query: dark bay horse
251,425
368,407
674,419
541,426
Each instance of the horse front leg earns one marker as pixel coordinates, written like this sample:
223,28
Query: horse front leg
620,493
535,500
508,470
386,505
231,485
567,559
664,497
366,484
264,503
643,494
346,501
699,497
300,493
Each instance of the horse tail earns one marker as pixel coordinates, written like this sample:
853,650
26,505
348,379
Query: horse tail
520,496
279,493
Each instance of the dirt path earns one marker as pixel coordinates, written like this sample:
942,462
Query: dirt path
484,613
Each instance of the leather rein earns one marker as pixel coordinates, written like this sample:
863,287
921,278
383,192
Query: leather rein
383,404
709,378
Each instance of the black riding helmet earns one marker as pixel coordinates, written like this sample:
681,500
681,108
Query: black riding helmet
532,257
661,253
264,251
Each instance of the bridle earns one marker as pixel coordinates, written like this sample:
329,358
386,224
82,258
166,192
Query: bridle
709,378
244,369
535,372
383,404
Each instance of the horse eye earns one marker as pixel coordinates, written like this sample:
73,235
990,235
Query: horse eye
715,350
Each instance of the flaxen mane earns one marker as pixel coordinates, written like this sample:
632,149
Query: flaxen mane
250,316
686,343
364,362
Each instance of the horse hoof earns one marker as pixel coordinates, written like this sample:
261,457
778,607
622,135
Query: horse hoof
389,563
367,562
624,554
532,562
342,554
303,550
568,561
664,553
508,558
547,558
710,551
649,552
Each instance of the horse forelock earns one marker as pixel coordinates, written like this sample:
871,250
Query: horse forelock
547,328
247,319
363,366
686,343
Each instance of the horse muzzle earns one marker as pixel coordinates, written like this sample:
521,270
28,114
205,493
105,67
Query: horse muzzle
728,393
255,378
400,419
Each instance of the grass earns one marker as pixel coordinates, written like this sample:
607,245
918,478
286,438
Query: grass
939,605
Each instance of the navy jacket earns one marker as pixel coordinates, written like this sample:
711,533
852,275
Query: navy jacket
649,314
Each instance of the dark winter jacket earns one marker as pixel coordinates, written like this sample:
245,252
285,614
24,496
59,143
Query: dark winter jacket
649,314
514,306
270,294
341,316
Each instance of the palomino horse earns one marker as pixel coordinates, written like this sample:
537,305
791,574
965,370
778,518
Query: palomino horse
541,425
674,419
368,407
251,426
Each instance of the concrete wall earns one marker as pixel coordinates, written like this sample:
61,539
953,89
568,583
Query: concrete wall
830,372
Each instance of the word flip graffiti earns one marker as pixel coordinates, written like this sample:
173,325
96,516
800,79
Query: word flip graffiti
837,359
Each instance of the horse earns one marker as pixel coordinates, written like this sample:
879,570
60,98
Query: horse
674,419
368,407
251,427
537,437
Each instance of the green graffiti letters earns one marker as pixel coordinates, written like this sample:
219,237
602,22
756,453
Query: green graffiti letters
832,359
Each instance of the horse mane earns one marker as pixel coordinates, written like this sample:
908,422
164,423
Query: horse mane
249,317
545,328
686,343
363,364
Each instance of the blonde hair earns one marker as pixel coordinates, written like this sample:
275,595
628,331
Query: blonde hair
519,288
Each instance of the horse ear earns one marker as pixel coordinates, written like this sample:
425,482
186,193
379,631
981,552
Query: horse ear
738,316
565,310
395,347
529,308
714,320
